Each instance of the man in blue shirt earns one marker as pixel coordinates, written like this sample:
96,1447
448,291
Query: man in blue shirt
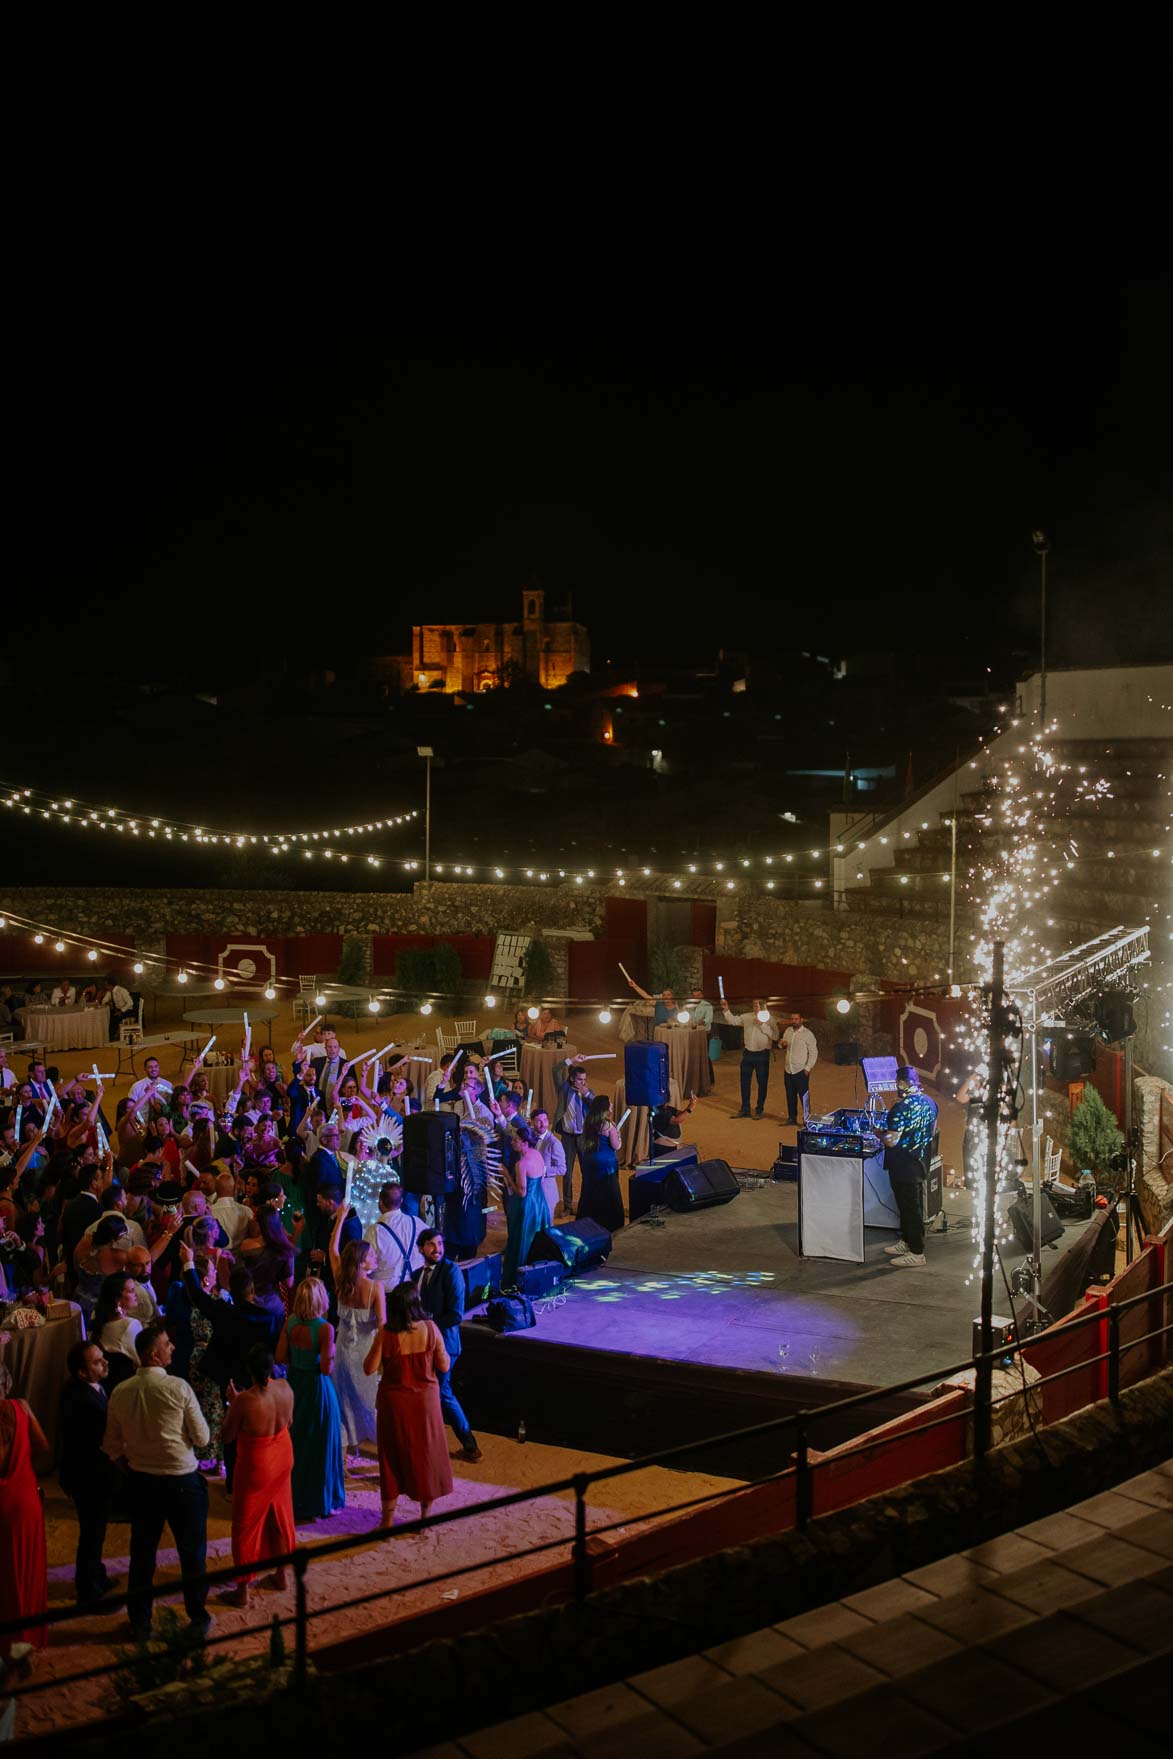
911,1126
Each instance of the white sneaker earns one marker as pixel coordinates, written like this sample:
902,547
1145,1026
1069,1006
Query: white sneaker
907,1261
894,1251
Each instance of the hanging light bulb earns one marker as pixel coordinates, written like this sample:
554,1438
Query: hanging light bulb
764,1016
604,1016
682,1017
319,1001
270,993
92,954
373,1006
532,1013
425,1007
38,940
3,922
138,967
58,946
182,978
219,983
843,1006
490,1001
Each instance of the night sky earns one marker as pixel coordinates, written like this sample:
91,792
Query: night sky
808,402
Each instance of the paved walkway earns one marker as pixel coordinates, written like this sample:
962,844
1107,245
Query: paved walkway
1059,1633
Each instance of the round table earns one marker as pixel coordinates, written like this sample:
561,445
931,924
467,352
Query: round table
36,1359
688,1057
222,1078
67,1029
232,1017
538,1069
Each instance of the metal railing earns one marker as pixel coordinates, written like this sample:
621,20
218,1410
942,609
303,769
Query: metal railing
800,1423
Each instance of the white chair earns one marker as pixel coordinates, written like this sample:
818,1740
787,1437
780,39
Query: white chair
130,1031
303,1001
447,1041
508,1062
466,1030
1051,1161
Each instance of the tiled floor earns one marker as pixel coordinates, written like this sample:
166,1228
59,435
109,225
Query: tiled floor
1061,1629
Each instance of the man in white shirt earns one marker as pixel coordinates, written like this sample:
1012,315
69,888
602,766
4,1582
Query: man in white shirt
436,1080
121,1005
64,996
394,1239
758,1032
802,1053
234,1217
155,1423
7,1078
152,1082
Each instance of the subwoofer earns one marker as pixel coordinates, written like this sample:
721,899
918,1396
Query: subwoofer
645,1072
700,1187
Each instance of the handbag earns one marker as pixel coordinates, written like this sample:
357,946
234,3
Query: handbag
511,1313
715,1048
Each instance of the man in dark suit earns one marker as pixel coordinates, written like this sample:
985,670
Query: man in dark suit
237,1325
83,1209
441,1292
87,1475
313,1238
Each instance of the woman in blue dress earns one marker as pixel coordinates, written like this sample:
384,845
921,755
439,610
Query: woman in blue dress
600,1200
362,1314
306,1346
526,1209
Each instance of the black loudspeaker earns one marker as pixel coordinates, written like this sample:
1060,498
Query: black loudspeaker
645,1072
1073,1055
1021,1221
577,1245
482,1278
701,1187
537,1280
647,1186
431,1153
847,1053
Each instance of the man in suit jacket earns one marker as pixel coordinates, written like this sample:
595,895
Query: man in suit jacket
87,1475
441,1292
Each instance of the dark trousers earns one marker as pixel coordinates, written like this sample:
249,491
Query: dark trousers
90,1579
453,1412
909,1195
796,1086
181,1503
572,1148
754,1063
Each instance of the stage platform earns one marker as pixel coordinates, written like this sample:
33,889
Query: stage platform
716,1312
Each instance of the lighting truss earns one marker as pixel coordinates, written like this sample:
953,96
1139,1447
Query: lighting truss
1054,989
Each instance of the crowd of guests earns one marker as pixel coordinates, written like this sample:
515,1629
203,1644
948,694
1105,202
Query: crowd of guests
242,1326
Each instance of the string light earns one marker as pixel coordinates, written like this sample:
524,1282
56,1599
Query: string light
85,815
490,1001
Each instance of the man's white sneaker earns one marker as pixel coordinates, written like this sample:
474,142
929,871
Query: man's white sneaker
907,1261
895,1251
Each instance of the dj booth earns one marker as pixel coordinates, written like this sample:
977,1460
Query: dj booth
843,1187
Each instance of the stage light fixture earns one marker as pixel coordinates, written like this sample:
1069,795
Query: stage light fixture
1114,1018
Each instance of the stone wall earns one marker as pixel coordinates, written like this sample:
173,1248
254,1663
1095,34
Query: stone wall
1155,1182
912,948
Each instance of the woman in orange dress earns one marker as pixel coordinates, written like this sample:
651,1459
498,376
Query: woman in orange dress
262,1495
24,1578
413,1448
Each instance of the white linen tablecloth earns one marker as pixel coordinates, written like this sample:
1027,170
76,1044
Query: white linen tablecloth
67,1029
538,1070
688,1057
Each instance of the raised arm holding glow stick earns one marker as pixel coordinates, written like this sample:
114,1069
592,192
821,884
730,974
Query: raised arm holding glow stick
248,1038
721,986
623,1119
597,1057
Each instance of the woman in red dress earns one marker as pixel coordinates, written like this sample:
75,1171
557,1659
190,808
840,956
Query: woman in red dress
413,1448
24,1579
262,1496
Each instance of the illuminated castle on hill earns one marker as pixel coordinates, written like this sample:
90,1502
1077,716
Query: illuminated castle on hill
483,656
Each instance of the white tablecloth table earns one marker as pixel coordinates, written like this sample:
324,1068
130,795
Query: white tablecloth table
538,1070
36,1360
633,1136
67,1029
688,1057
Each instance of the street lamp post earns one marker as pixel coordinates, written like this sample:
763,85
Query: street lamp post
426,752
1039,540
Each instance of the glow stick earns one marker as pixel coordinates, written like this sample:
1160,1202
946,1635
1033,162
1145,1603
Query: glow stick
468,1106
529,1103
599,1057
103,1141
204,1052
452,1065
496,1056
721,986
316,1021
195,1171
333,1118
623,1119
625,971
19,1110
248,1035
385,1049
365,1056
349,1180
49,1110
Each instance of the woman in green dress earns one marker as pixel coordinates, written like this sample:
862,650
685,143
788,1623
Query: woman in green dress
306,1345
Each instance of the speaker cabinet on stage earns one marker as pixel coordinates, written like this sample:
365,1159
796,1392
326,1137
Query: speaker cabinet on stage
431,1153
645,1072
1021,1220
577,1245
701,1187
646,1188
482,1278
